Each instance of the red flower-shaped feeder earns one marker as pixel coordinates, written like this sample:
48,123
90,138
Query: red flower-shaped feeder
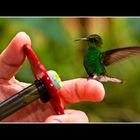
40,72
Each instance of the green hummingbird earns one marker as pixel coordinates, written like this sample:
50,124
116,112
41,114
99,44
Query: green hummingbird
95,61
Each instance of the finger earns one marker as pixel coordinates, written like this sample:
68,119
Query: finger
69,116
13,56
81,89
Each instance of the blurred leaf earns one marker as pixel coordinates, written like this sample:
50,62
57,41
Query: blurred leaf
134,26
51,27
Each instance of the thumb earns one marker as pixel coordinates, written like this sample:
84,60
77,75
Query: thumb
69,116
13,56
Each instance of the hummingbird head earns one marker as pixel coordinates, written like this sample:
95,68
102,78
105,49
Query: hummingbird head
93,39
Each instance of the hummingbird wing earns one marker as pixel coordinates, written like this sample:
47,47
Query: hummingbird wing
115,55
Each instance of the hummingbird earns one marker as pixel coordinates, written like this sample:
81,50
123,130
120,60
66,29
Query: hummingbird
95,61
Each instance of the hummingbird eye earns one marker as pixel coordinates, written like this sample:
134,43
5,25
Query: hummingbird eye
95,40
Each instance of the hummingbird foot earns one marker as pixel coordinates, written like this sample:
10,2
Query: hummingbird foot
104,78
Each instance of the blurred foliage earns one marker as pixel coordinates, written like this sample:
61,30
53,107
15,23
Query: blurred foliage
53,42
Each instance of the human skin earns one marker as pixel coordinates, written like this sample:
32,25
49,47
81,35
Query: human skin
72,91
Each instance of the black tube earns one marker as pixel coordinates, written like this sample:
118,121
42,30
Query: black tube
23,98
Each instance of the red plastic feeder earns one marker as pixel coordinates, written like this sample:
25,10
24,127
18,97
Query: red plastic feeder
40,72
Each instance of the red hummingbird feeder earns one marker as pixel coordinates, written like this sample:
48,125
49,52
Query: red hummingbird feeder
40,72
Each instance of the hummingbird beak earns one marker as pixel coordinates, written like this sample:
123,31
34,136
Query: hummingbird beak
84,39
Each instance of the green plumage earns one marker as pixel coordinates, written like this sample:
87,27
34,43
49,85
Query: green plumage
92,62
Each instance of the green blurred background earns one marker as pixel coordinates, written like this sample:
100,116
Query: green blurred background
53,41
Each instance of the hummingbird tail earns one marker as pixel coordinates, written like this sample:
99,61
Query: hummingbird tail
108,79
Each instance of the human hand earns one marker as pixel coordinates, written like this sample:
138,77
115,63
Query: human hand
72,91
